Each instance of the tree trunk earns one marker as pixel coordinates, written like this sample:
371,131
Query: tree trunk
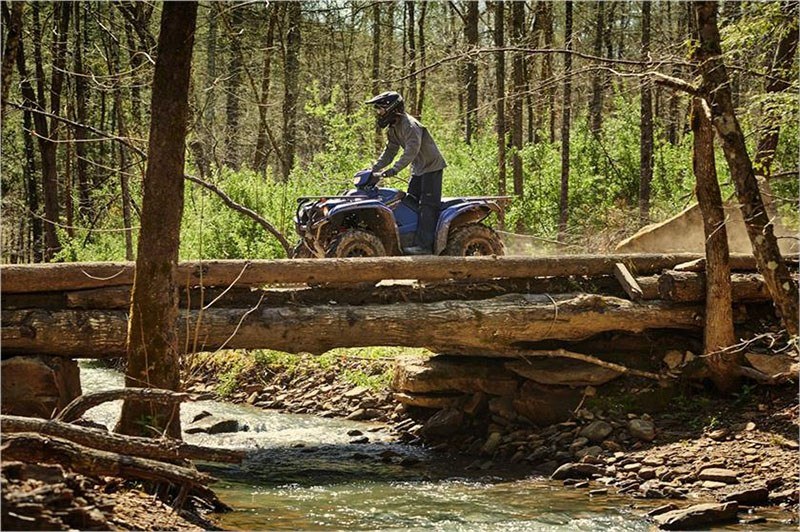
779,82
563,205
518,75
376,63
47,136
596,106
411,46
260,160
547,68
233,88
645,127
85,210
471,71
210,107
718,334
500,103
422,59
291,85
152,345
13,21
759,228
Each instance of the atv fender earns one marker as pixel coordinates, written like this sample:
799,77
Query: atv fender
458,215
371,214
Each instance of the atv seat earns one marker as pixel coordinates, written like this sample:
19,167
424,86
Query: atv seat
391,195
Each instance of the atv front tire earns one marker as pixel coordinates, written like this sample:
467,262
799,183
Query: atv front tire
356,243
301,251
472,240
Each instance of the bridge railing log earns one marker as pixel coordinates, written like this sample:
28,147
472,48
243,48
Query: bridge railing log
30,278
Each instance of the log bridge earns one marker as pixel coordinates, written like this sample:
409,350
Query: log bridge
475,306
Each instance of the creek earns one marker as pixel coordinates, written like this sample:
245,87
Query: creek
312,473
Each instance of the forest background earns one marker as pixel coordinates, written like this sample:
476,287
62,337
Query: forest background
545,101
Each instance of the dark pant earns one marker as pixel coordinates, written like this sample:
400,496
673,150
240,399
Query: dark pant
427,191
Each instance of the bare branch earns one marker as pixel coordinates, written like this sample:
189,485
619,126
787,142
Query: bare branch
287,247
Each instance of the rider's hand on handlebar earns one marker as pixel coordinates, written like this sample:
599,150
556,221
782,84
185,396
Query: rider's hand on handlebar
388,173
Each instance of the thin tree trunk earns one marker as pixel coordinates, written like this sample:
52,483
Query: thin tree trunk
547,68
518,76
500,103
210,108
291,86
411,43
29,119
596,106
779,82
233,88
153,347
422,58
759,228
718,330
563,206
13,21
85,210
645,127
471,71
260,161
376,63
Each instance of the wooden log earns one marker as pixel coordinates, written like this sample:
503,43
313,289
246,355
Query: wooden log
691,287
628,282
80,405
649,286
73,276
32,447
118,297
473,327
164,449
740,263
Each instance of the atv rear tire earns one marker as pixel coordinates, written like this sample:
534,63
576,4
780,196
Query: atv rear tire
473,240
356,243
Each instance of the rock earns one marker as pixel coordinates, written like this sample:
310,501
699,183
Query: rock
492,443
201,415
578,444
545,405
662,510
502,407
588,452
358,391
642,429
573,470
771,365
699,515
712,485
562,371
212,425
356,432
756,496
719,434
719,474
453,374
443,423
476,404
598,491
37,386
362,414
787,495
433,401
596,431
646,473
361,440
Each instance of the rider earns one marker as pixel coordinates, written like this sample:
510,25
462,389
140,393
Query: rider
426,161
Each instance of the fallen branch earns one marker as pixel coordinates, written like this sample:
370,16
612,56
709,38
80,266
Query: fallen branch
78,406
562,353
160,449
244,210
31,447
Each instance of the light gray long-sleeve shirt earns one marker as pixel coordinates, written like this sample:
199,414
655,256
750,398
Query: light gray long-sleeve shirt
419,149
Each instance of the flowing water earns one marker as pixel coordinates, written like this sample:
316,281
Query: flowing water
306,473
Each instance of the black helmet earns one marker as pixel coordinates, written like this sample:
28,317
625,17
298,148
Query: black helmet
389,105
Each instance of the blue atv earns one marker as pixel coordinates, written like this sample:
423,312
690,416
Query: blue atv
369,221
